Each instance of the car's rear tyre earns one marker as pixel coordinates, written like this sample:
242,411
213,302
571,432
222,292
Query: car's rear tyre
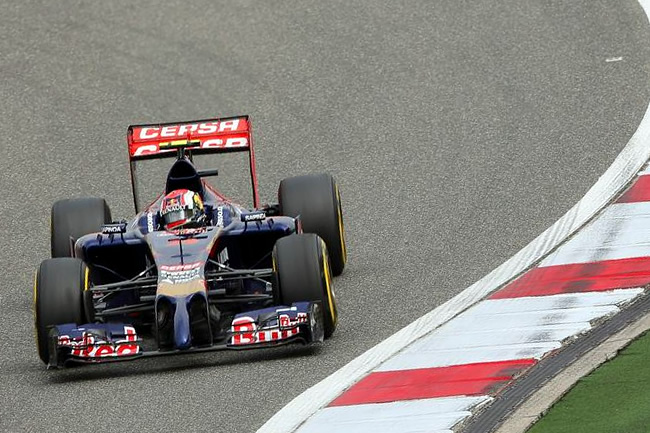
303,274
58,297
317,200
73,218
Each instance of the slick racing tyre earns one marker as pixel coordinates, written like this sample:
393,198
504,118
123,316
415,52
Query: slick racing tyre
58,293
317,200
303,274
73,218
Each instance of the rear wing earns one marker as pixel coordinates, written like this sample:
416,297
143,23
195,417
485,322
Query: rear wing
164,140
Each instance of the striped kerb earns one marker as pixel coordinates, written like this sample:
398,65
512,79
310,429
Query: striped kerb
438,381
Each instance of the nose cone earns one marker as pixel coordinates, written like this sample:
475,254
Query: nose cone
182,336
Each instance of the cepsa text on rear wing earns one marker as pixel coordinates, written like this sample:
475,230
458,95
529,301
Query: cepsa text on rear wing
211,135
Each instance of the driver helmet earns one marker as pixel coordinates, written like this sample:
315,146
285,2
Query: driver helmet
182,208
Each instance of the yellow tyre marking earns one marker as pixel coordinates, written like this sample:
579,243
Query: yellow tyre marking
35,310
341,231
35,283
86,279
328,282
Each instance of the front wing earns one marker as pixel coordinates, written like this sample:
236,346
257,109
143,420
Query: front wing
93,343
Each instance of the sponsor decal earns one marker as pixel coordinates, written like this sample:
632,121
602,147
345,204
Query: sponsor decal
150,226
217,143
114,228
220,216
285,322
191,231
184,267
178,274
90,346
171,208
245,329
179,277
181,131
253,216
227,143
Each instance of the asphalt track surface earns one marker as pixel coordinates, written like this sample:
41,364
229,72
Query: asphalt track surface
457,130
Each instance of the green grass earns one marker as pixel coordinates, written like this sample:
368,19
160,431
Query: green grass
615,398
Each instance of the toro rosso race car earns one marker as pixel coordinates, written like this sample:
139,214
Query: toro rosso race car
192,271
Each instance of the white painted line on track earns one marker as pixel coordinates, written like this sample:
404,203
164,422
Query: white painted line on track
530,319
555,302
621,231
450,336
516,329
446,358
472,339
436,414
625,168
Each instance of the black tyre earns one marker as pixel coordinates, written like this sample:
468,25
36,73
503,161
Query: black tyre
73,218
58,291
317,200
303,274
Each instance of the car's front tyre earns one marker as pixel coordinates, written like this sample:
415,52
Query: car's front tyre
303,274
58,298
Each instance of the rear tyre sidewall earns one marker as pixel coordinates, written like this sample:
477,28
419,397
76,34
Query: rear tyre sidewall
58,298
74,218
317,200
303,274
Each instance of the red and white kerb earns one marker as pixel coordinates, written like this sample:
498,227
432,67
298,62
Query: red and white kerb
440,379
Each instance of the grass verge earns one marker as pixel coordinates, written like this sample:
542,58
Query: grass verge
614,398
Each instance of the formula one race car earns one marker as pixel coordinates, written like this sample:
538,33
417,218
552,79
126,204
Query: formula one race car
193,271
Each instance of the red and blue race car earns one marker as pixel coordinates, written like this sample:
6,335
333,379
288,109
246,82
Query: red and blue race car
193,271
